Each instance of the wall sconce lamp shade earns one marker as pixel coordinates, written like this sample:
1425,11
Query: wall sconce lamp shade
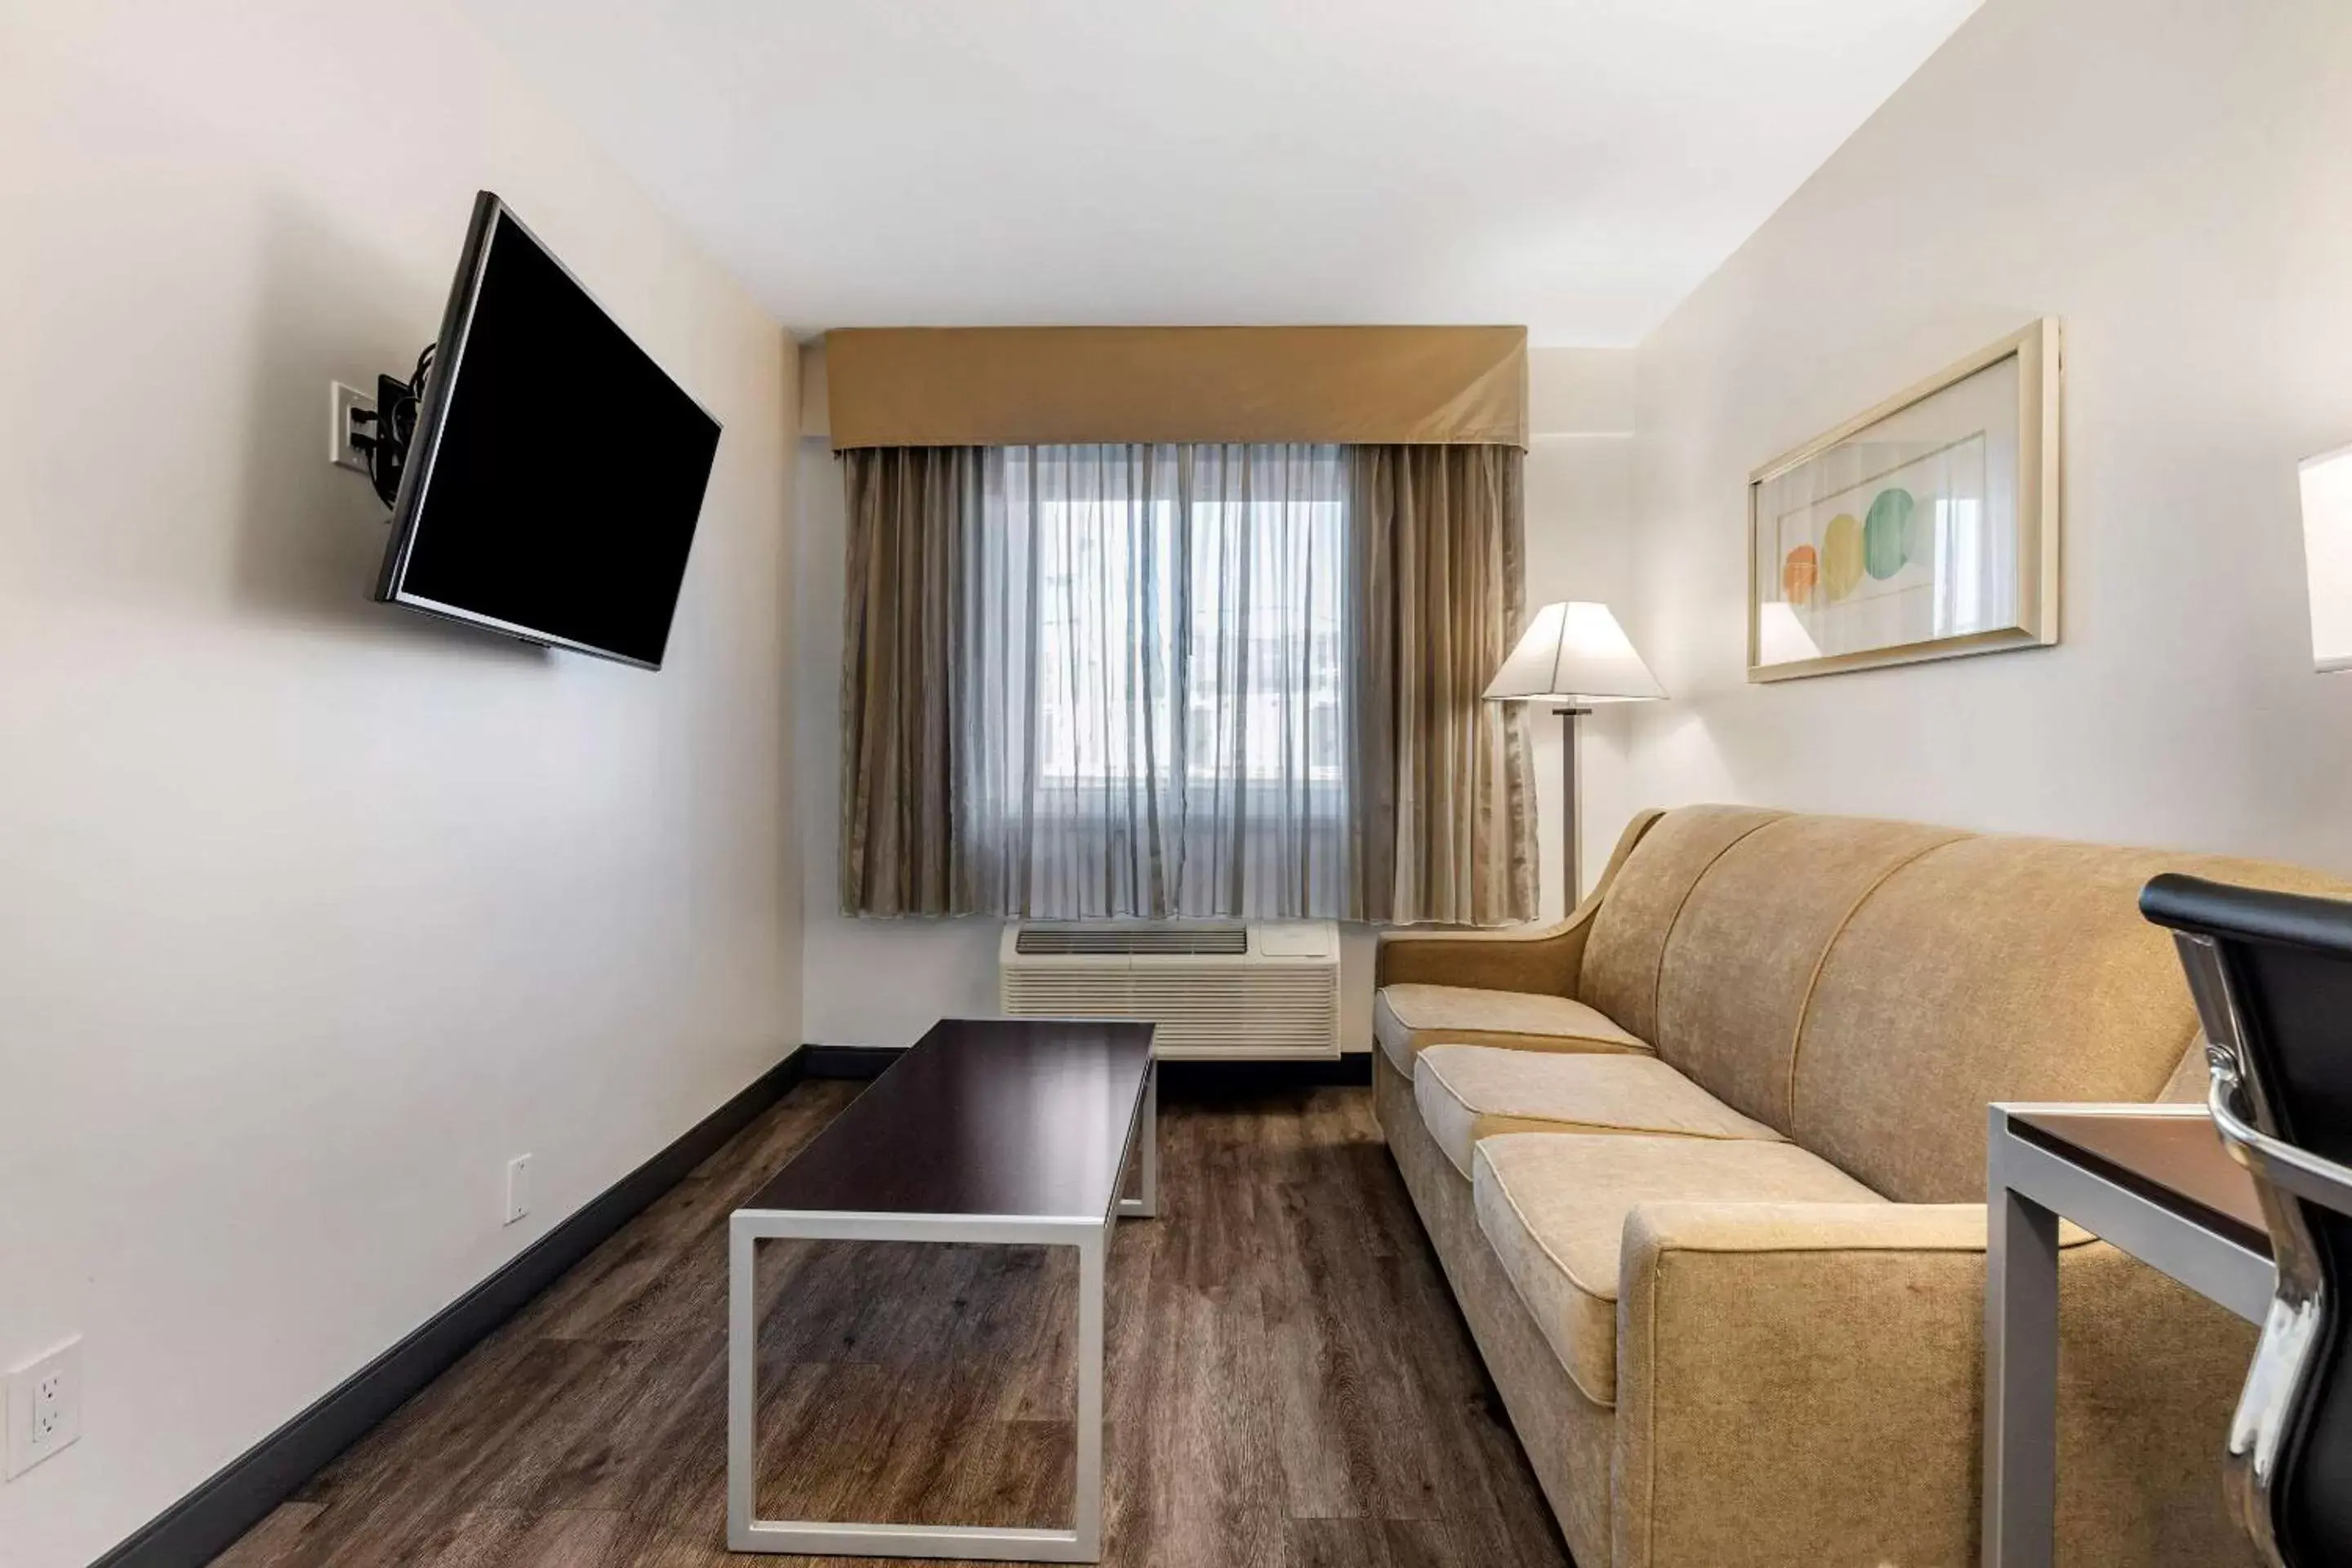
1574,654
2328,557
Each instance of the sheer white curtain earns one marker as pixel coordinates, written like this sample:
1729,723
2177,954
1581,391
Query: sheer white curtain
1154,694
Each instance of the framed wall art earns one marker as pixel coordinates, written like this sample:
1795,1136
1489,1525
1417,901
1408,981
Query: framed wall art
1924,528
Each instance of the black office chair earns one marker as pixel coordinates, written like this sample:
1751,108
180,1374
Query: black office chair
2272,973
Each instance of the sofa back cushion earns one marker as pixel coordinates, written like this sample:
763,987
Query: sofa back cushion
1991,969
1622,957
1740,960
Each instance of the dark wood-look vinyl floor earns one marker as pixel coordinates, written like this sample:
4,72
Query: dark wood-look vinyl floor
1288,1381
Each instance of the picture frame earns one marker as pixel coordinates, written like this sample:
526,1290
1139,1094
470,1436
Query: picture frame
1926,528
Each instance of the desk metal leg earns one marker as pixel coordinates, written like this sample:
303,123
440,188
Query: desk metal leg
2021,1461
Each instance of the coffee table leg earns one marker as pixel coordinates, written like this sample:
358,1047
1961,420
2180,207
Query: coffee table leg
746,1531
742,1358
1086,1517
1145,1204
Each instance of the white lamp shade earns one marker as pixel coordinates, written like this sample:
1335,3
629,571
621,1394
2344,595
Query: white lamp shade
1782,637
2328,557
1574,653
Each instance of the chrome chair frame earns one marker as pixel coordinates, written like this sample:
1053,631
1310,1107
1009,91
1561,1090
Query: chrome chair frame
2272,1400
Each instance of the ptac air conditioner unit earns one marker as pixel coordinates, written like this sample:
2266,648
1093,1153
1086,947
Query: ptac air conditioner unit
1255,990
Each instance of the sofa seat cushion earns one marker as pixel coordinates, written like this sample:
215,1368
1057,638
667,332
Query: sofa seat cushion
1553,1206
1407,1017
1468,1093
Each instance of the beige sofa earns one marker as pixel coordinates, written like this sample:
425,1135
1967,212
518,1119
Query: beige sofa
1705,1164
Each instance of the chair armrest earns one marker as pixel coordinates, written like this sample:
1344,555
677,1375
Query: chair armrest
1802,1383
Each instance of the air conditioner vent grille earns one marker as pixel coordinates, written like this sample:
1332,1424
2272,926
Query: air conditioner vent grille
1110,940
1255,990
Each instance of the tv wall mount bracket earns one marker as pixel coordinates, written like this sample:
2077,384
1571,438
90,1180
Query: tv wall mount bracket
395,425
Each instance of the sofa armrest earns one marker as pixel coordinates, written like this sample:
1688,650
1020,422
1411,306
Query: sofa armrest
1803,1383
1544,959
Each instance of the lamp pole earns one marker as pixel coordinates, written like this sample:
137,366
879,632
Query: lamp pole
1569,805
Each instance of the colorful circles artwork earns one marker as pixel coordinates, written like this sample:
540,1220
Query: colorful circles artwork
1842,555
1799,573
1886,537
1885,540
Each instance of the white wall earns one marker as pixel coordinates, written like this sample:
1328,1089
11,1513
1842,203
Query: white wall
2171,181
1579,506
882,982
316,912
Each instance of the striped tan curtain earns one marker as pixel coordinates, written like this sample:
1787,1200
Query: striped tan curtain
969,649
912,510
1447,813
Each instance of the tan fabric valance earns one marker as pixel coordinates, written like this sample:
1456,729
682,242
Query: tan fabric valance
992,387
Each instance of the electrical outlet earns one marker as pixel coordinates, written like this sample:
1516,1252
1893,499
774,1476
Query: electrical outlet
43,1407
343,402
517,1187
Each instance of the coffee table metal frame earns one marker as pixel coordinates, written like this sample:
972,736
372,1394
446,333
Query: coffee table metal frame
1089,1235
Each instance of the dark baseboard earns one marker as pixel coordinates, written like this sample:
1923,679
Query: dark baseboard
202,1524
1246,1077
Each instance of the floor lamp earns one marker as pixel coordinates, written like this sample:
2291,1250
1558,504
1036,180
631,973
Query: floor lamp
1574,655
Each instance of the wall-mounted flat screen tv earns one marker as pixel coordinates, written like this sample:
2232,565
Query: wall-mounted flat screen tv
555,472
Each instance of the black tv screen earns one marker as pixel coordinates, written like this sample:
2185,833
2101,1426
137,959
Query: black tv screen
556,472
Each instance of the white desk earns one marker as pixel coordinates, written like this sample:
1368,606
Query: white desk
2153,1180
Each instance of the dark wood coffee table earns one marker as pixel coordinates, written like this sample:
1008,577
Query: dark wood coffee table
1017,1132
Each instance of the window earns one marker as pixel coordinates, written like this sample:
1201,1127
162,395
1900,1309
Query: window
1201,681
1188,610
1157,681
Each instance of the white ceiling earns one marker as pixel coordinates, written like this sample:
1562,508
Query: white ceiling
1576,165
